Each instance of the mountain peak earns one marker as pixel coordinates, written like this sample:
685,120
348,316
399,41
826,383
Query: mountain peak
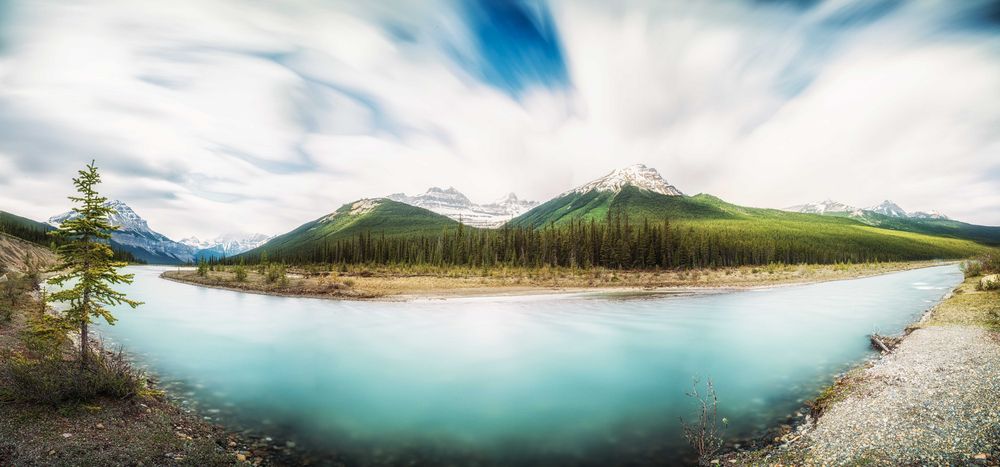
124,217
452,203
638,175
888,208
133,234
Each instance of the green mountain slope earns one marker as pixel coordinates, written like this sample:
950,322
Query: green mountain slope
986,235
368,216
24,228
710,216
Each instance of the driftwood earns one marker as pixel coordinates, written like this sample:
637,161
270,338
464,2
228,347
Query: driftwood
884,343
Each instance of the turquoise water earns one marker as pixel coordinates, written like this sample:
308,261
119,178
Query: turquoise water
552,379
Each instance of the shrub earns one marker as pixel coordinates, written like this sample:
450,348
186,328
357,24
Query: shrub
241,273
202,268
10,289
972,268
276,273
706,434
56,381
990,262
6,312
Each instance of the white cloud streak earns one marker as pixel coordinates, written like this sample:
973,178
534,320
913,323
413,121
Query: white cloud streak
217,116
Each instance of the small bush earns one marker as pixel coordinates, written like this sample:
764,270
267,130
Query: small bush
202,268
276,273
241,273
990,262
972,268
6,312
705,435
55,381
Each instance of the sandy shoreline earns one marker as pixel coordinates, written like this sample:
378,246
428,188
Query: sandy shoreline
412,288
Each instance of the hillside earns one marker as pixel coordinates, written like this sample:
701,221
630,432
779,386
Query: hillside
377,217
14,252
707,215
24,228
986,235
890,215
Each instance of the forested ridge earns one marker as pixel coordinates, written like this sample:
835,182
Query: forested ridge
620,241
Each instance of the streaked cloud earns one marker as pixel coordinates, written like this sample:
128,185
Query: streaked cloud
221,115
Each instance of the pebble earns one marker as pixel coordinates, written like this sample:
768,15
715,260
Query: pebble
100,426
67,435
934,400
241,457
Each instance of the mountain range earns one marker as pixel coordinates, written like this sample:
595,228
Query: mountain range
453,204
637,192
135,236
885,208
225,245
641,194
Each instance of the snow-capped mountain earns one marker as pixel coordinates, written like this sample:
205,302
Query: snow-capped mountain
928,215
225,245
134,235
822,207
452,203
638,175
885,208
888,208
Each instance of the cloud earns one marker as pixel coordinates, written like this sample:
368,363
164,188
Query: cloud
219,116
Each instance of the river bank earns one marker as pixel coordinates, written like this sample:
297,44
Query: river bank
388,283
147,428
935,399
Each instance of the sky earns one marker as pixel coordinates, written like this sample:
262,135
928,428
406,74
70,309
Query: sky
216,116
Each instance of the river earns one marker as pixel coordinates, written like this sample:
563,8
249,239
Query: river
582,379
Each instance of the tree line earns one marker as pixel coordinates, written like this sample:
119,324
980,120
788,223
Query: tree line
616,242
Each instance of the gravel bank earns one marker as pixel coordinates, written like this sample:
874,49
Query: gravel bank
934,400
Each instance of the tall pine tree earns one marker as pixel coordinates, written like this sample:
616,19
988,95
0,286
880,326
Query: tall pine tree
86,261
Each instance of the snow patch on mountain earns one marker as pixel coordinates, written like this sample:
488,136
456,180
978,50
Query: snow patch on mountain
888,208
823,207
364,206
135,236
455,205
885,208
638,175
928,215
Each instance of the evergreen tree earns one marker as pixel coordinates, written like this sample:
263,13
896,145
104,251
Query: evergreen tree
87,262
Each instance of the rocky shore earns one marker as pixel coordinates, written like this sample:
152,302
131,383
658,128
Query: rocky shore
933,400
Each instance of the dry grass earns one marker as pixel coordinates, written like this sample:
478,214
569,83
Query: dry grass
968,307
357,282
